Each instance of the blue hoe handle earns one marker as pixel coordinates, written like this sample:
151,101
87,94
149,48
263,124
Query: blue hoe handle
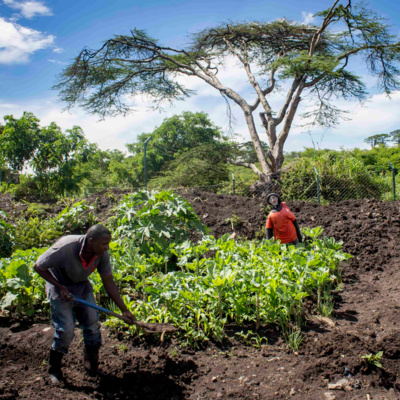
96,307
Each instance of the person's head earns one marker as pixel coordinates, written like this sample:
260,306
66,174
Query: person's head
98,238
273,199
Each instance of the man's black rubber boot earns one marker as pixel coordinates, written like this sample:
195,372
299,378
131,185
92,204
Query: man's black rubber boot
54,370
91,359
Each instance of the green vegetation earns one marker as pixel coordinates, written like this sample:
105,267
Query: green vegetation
374,359
186,150
199,287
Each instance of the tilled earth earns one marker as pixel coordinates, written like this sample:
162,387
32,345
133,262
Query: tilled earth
327,365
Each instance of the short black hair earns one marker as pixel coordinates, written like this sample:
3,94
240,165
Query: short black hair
97,231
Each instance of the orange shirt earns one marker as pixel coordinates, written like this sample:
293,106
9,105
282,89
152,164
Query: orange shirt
282,224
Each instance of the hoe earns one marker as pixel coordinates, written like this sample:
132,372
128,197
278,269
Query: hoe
147,327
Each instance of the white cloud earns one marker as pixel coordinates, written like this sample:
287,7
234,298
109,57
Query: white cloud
308,17
57,62
17,42
29,8
58,50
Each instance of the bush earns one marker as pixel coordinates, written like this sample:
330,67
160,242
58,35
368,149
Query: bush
342,176
6,236
154,220
77,217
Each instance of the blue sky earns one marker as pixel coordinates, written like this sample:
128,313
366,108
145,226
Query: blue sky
38,38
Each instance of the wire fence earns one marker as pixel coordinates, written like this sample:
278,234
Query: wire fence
315,187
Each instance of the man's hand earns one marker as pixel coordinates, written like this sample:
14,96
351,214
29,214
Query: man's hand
128,317
65,294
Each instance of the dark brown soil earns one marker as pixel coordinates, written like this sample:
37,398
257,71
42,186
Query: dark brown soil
366,320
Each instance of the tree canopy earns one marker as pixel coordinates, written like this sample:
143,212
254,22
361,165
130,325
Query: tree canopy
52,155
309,60
189,137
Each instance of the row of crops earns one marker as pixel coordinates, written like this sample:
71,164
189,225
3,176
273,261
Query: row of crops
198,285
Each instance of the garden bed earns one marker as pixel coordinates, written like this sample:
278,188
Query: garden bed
365,321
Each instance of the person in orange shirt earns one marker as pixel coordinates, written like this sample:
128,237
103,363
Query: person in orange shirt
281,222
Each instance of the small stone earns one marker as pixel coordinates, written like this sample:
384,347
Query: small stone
214,379
339,385
46,329
348,388
329,396
292,392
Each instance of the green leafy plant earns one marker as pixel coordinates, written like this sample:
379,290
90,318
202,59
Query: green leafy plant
6,236
36,232
20,287
155,220
326,304
253,339
77,217
374,359
235,221
294,337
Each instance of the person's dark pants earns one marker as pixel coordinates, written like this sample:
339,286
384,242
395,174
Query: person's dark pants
64,315
294,242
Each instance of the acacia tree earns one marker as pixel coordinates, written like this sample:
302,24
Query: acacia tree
395,137
375,140
308,59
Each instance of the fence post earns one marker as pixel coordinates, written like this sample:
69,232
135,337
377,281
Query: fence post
233,184
394,172
318,192
145,162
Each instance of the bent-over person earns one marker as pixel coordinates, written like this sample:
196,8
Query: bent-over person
66,267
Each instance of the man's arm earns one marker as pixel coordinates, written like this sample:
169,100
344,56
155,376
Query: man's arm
270,233
46,275
296,225
112,290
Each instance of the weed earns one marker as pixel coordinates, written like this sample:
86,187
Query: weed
174,352
122,347
235,221
326,304
261,234
293,337
252,338
374,359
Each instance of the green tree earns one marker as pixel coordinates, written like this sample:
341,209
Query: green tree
19,139
309,60
245,152
200,166
375,140
174,139
55,159
395,137
52,155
